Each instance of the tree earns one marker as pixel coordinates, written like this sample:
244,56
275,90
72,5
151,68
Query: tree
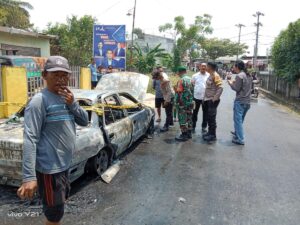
75,39
167,61
144,60
176,59
215,48
139,32
15,14
286,53
186,37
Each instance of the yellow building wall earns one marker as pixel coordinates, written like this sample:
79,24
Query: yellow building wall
14,90
85,78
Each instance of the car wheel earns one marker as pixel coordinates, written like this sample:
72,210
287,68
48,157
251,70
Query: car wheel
101,162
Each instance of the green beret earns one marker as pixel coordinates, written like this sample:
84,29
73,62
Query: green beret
181,68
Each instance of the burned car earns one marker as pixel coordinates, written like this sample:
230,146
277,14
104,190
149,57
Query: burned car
116,120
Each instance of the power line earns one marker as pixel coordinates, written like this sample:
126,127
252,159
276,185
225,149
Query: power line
270,43
108,9
222,28
252,39
241,35
266,36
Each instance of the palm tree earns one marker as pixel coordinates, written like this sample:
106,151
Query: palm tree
145,59
15,13
16,3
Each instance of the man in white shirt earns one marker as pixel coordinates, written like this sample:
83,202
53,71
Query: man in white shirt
199,81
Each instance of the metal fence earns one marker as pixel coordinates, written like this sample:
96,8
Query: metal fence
75,77
279,86
35,85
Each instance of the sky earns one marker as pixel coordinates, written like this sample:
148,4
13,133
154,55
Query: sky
152,13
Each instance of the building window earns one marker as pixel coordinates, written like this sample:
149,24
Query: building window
20,50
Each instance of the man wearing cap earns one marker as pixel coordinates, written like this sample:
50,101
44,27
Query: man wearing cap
49,140
184,103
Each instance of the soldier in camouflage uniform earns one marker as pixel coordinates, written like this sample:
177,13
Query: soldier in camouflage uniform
184,103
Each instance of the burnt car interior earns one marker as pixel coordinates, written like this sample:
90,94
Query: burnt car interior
130,101
85,103
111,114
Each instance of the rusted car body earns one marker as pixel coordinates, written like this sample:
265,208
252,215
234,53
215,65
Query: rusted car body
116,118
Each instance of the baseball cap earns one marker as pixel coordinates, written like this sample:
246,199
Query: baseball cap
57,63
181,68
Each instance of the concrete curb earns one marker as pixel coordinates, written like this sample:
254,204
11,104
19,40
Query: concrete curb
292,105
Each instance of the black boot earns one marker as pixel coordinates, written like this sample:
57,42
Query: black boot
205,135
189,134
210,137
164,129
182,137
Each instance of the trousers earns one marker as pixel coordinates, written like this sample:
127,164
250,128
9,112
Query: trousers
185,114
239,112
169,114
198,103
211,115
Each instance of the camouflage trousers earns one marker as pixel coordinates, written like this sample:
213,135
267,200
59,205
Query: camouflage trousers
185,117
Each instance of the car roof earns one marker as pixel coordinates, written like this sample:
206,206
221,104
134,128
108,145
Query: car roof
91,95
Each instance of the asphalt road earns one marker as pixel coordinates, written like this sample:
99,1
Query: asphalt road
163,182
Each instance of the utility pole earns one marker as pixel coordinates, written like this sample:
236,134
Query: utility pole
240,29
257,24
133,20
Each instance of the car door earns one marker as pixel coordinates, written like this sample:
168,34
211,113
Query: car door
89,139
116,124
137,114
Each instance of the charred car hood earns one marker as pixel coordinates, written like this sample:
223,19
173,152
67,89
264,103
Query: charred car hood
135,84
11,135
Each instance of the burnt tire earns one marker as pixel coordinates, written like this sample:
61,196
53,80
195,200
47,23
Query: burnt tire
100,162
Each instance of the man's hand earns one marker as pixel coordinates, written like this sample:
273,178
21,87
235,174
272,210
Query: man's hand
67,95
166,104
230,82
27,190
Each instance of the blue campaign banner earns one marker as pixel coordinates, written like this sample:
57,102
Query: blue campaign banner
109,46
